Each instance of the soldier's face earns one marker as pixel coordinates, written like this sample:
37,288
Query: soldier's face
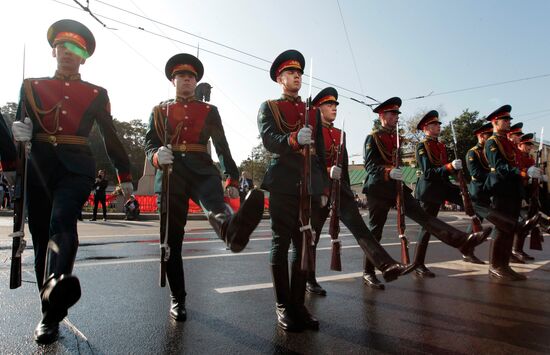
185,84
389,119
290,80
432,130
67,61
515,138
328,111
501,125
482,138
526,148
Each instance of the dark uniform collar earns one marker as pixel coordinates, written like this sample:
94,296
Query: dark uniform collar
430,138
185,100
327,124
70,77
291,98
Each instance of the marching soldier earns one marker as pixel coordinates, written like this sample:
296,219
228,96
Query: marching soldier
61,112
281,125
326,102
7,152
478,166
381,191
190,124
515,136
504,184
433,187
524,147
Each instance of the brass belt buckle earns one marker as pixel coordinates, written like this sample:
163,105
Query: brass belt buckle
183,147
52,140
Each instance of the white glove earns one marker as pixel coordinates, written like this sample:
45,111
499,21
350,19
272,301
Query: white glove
324,200
396,174
164,155
10,177
22,131
127,188
534,172
457,164
545,178
335,172
304,136
232,191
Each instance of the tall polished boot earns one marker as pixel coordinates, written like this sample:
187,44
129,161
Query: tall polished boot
377,256
454,237
176,280
506,223
369,277
61,290
235,229
420,257
499,257
312,286
286,315
518,255
297,291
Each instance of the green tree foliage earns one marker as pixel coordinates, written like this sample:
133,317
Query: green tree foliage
256,163
9,110
132,136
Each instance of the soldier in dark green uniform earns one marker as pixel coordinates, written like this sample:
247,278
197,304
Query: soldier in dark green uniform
7,152
61,168
504,184
191,123
433,187
281,125
326,102
380,189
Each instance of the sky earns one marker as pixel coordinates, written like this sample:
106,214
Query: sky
401,48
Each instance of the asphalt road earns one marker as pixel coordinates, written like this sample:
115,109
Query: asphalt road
230,300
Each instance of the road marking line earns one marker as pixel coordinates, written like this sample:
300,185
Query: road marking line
270,285
74,329
228,254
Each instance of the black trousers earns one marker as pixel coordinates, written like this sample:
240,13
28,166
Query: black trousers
100,198
204,190
54,204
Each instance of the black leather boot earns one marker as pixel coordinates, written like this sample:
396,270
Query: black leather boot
420,257
312,286
517,250
177,308
286,316
499,258
369,277
472,258
46,332
61,290
376,255
235,229
297,294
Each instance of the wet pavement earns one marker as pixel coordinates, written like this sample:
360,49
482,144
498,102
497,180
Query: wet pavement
230,300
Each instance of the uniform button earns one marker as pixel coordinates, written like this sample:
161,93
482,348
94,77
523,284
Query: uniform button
186,117
301,114
95,91
185,128
182,155
164,109
296,105
184,141
60,129
66,97
185,106
35,82
64,112
207,106
67,84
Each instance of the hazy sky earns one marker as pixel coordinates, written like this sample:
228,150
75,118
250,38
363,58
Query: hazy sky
402,48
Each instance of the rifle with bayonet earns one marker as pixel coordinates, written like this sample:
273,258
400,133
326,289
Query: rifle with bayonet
466,198
308,242
19,198
334,224
400,203
164,206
